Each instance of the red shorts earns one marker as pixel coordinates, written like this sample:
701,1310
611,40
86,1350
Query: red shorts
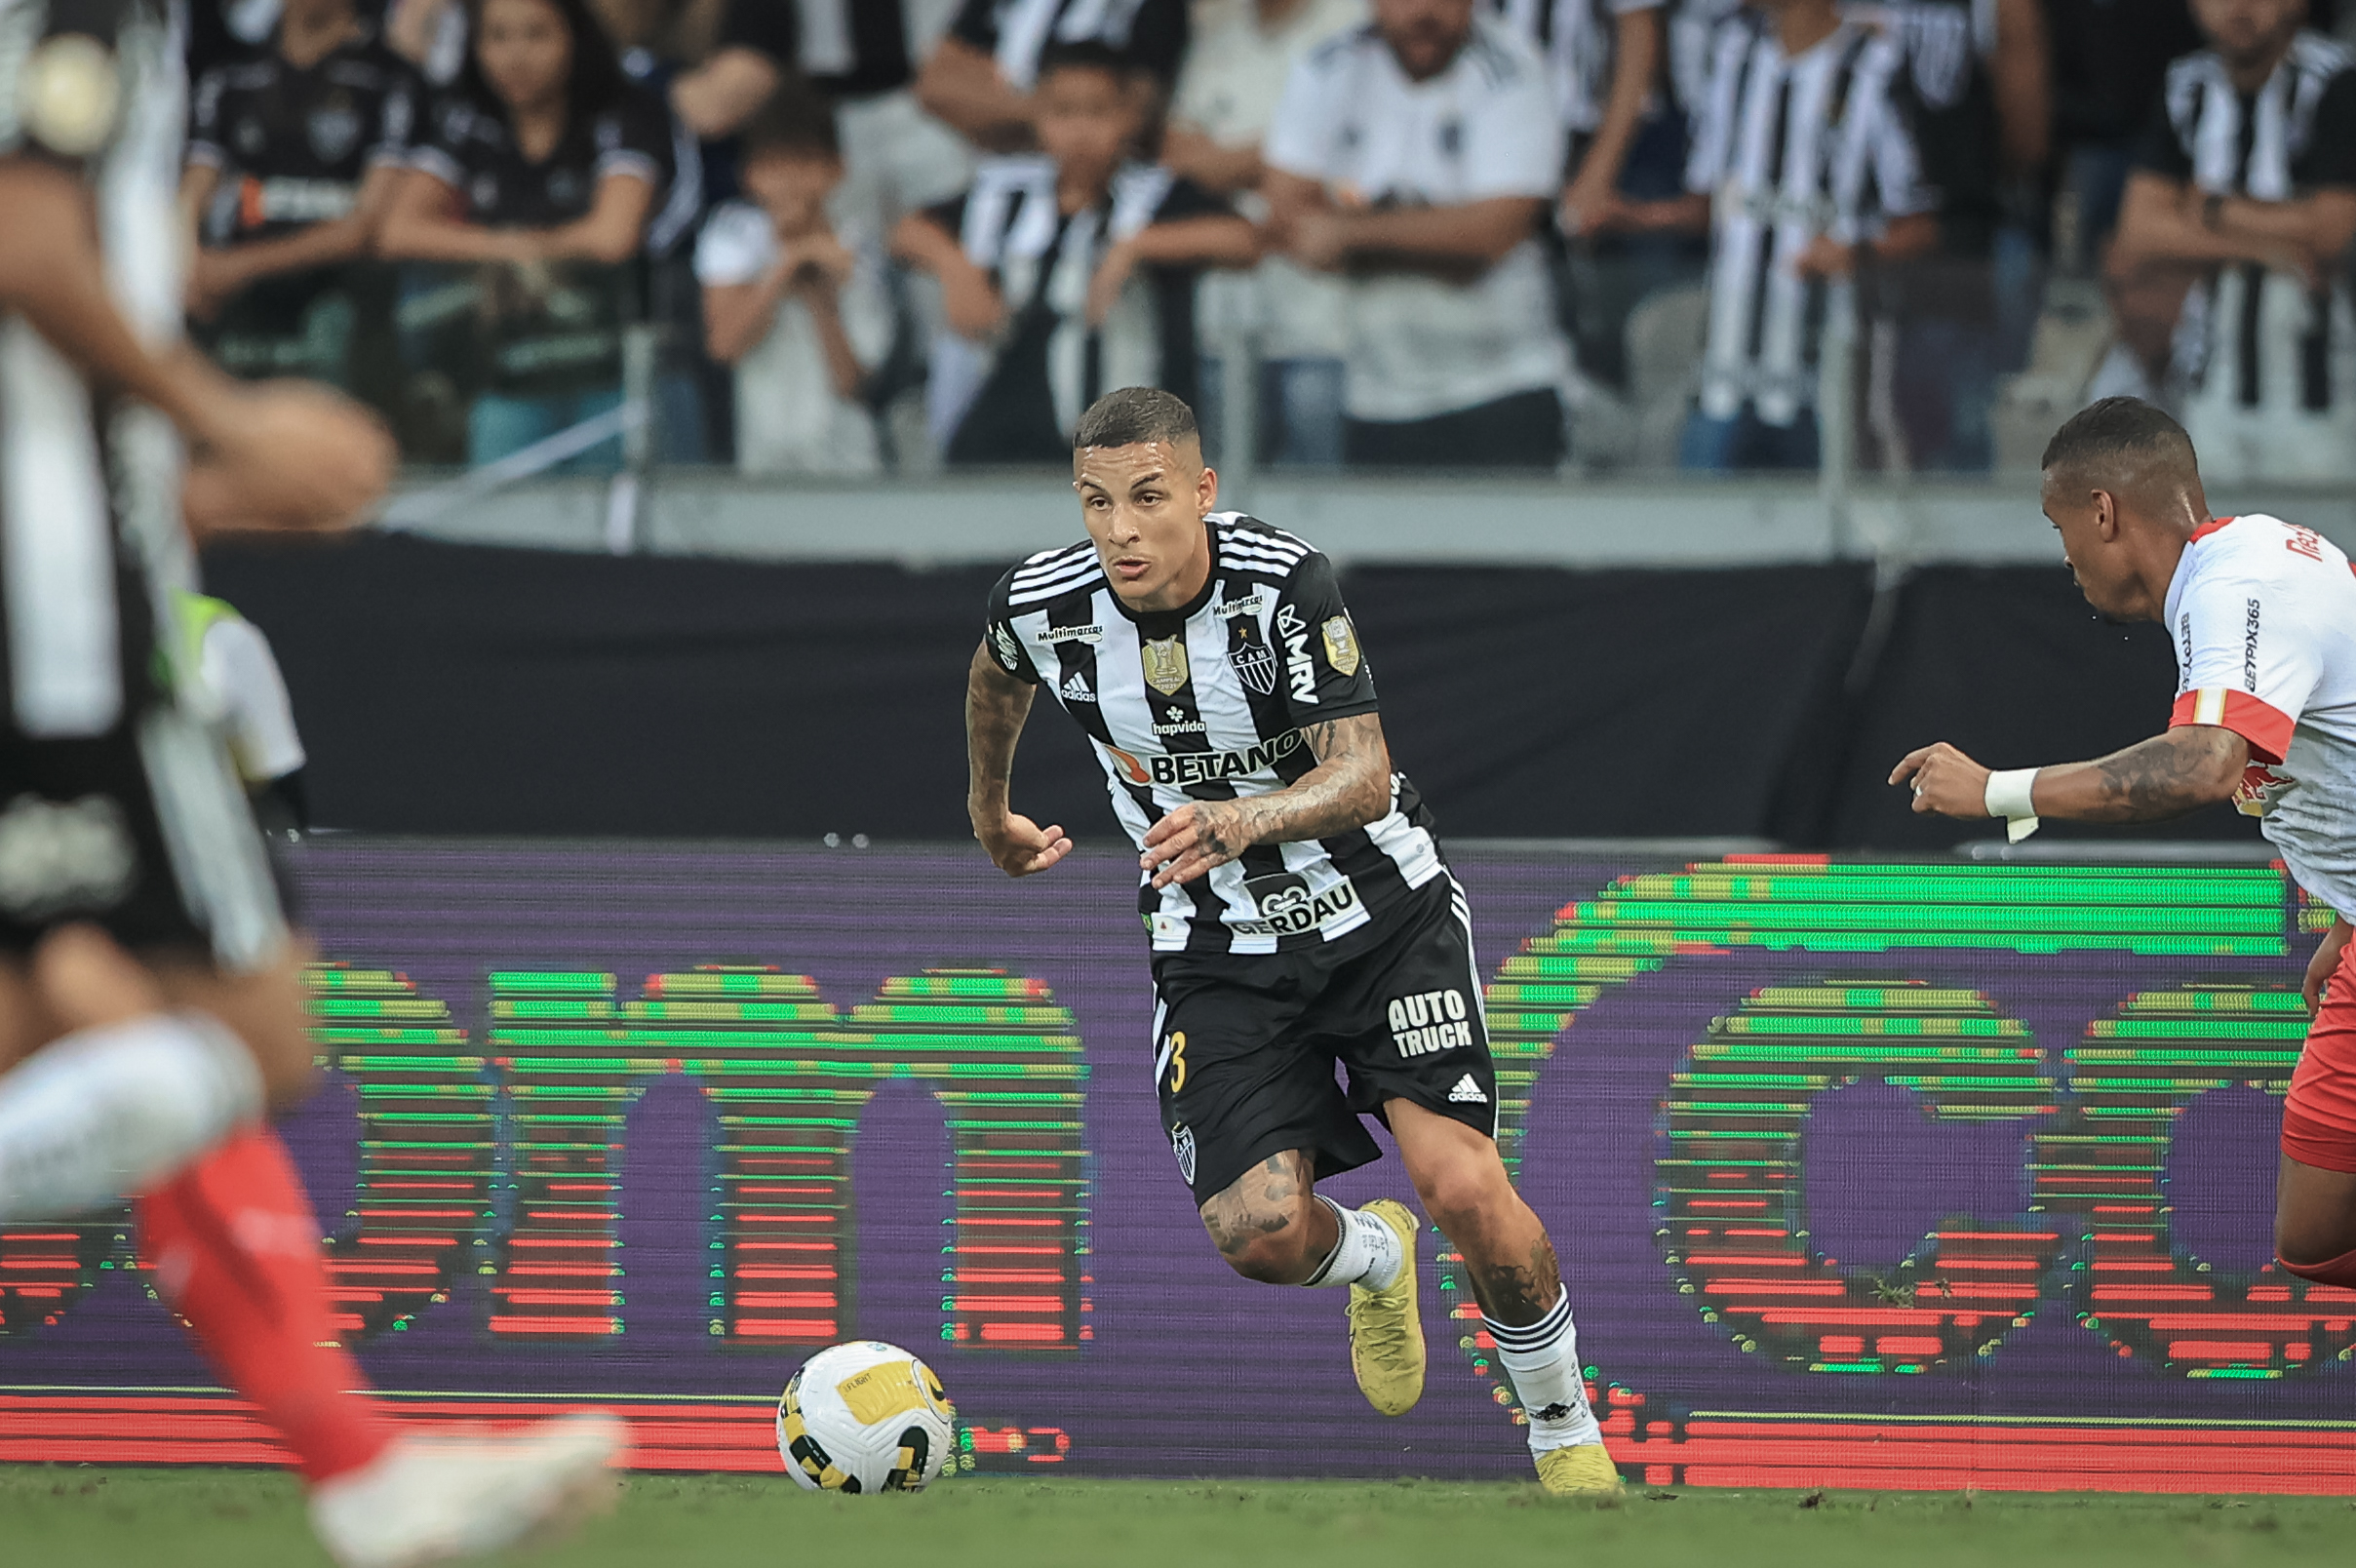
2319,1121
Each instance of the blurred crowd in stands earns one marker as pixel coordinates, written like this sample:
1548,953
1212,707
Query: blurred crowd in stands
852,237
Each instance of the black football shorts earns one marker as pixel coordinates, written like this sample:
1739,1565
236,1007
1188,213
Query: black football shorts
1245,1046
144,832
134,821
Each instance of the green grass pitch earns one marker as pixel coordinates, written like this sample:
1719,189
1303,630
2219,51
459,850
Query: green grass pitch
65,1516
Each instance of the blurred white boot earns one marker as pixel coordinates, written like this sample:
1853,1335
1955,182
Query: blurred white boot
429,1498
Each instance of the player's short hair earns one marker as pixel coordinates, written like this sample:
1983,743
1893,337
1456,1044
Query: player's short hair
1084,55
2120,436
1135,414
794,122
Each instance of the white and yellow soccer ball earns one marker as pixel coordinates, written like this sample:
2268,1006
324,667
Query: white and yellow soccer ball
865,1417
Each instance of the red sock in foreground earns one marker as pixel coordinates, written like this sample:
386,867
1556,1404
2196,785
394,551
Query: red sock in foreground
2340,1270
235,1248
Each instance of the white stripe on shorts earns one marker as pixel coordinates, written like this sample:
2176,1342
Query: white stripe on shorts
1476,997
217,853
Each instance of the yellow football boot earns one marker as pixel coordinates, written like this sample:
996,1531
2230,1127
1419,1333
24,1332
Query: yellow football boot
1583,1469
1385,1333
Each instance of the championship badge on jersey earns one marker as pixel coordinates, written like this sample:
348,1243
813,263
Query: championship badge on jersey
1165,661
1342,646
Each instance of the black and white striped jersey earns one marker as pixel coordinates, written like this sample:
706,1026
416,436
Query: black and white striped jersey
2282,346
1207,703
1791,149
90,483
1020,401
1580,40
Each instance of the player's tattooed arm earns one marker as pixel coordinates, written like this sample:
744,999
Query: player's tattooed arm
2180,770
1348,788
2176,771
996,706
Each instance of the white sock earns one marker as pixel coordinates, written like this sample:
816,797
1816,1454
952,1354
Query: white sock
1368,1253
98,1115
1543,1360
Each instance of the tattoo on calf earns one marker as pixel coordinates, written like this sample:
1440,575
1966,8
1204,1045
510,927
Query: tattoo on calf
1520,1294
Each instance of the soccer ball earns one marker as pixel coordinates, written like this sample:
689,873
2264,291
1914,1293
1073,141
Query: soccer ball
864,1417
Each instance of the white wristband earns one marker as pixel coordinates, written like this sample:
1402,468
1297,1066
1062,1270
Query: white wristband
2010,795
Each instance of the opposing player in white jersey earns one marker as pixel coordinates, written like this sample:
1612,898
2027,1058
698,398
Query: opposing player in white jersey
150,1000
1299,912
2262,616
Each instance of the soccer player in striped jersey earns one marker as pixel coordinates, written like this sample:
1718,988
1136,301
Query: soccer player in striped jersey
1299,912
151,993
2262,616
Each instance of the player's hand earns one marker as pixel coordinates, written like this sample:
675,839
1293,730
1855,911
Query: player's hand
1020,846
288,454
1591,207
1319,240
1189,841
1825,257
2320,968
971,302
1113,275
215,277
1944,781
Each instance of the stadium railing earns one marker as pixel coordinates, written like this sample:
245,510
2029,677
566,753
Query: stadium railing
574,407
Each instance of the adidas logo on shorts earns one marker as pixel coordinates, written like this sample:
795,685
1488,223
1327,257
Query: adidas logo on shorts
1467,1092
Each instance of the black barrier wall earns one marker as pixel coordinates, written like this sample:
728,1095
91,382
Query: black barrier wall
449,688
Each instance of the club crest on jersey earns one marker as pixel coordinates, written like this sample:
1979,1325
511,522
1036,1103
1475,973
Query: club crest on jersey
334,130
1164,662
1255,666
1342,646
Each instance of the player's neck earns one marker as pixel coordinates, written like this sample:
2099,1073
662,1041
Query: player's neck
1801,26
1075,191
538,127
2164,556
2252,72
309,34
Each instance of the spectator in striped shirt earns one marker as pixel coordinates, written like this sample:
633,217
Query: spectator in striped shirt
2247,184
1807,171
1066,273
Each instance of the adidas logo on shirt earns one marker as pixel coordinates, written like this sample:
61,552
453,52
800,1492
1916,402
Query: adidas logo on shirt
1467,1092
1076,689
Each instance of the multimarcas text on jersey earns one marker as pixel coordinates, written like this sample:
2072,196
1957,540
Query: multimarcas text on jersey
1209,702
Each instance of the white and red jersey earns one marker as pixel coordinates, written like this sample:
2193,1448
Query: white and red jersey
2262,614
